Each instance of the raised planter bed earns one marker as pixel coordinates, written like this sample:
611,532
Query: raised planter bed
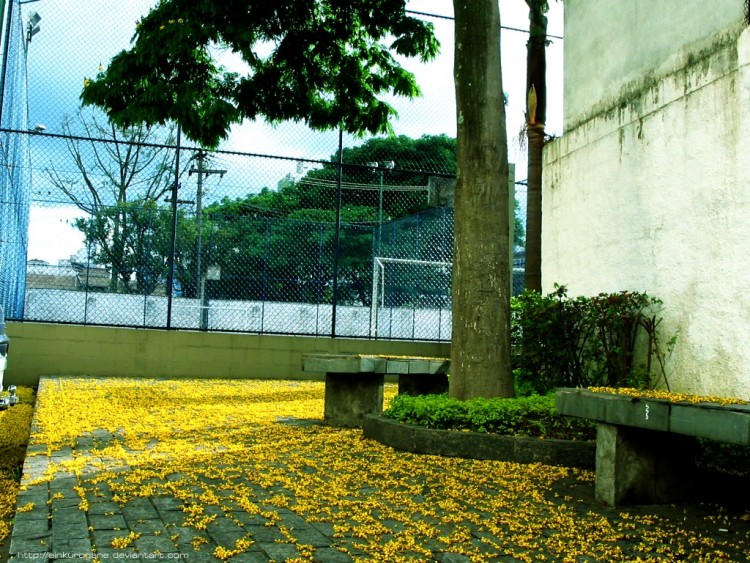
473,445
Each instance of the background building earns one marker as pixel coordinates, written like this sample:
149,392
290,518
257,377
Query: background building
648,189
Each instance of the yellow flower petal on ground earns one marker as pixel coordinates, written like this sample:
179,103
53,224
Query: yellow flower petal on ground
226,449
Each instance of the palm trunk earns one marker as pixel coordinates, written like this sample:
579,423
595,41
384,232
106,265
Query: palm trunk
535,144
480,348
536,109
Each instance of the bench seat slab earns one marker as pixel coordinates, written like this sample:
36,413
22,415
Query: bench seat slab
360,363
343,363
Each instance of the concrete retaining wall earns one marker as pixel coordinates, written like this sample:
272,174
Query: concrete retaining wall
50,349
479,446
652,193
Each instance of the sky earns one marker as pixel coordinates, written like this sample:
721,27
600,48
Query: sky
76,37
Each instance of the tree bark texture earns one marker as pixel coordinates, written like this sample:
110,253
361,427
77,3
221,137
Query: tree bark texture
536,115
480,347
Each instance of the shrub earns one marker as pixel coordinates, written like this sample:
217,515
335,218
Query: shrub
532,416
559,341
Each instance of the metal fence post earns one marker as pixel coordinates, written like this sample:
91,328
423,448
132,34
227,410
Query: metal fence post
173,251
337,236
319,277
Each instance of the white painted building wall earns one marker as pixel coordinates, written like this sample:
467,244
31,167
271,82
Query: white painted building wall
649,187
611,45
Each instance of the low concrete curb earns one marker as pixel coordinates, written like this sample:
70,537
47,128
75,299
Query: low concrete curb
451,443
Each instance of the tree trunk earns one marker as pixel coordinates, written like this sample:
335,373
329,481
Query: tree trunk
535,145
480,347
536,110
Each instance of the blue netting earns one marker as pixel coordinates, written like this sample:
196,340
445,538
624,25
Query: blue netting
15,171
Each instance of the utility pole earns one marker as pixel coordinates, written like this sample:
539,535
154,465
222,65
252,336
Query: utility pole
199,275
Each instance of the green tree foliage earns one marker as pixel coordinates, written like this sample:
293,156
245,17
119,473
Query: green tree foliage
131,238
327,63
285,256
429,153
279,244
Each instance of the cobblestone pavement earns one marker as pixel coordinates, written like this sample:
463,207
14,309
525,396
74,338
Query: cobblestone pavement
57,529
51,525
80,515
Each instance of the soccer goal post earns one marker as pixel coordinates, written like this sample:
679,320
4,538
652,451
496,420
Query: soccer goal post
408,282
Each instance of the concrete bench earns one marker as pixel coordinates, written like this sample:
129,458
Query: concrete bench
646,448
354,382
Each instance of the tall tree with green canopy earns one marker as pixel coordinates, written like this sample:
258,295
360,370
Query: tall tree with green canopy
288,233
480,348
323,62
536,115
429,153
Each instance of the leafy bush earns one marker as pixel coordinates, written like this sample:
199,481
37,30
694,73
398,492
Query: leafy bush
532,416
559,341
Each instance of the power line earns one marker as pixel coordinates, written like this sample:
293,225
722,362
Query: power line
451,18
426,14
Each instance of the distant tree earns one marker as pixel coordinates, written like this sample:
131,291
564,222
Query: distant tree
286,255
288,234
119,175
428,153
414,160
411,160
131,238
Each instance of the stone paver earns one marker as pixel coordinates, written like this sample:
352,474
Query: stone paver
52,525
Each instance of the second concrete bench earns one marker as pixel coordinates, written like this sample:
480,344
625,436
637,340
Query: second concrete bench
354,382
646,448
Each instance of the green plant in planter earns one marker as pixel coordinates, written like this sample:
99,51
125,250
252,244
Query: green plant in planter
549,340
620,318
532,416
607,340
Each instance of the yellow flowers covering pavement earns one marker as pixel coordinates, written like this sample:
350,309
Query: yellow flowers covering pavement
247,449
14,434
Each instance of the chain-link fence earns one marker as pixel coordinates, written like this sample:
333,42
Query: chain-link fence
136,227
411,275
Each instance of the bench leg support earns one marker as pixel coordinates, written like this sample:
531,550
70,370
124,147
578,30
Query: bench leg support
350,396
637,466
